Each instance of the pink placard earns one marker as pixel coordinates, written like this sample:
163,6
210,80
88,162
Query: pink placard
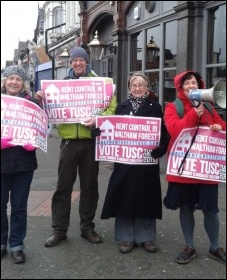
127,139
24,121
206,159
73,101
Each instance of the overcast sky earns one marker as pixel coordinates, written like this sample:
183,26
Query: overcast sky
18,22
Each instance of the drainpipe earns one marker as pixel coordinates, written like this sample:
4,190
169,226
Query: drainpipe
46,47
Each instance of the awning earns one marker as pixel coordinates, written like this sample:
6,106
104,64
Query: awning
62,43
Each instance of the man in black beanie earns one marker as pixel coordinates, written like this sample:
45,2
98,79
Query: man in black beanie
77,153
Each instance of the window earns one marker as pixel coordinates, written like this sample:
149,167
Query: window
57,18
153,51
170,44
216,47
154,82
136,52
104,62
41,26
110,68
153,47
107,67
170,54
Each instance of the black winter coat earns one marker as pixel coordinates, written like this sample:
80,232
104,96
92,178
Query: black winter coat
135,190
17,159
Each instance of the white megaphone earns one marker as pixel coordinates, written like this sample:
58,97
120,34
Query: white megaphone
215,94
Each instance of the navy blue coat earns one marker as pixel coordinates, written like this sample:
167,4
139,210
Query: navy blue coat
135,190
17,159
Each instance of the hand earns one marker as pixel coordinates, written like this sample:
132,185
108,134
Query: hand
158,152
28,147
39,95
200,110
89,122
5,143
95,132
215,127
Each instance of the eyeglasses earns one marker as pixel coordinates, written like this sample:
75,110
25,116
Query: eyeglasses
137,86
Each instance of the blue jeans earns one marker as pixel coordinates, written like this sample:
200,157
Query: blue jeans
15,186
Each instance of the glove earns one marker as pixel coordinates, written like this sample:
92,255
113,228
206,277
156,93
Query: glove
158,152
29,147
5,143
95,132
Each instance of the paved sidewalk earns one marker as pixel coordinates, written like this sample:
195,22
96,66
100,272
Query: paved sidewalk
75,258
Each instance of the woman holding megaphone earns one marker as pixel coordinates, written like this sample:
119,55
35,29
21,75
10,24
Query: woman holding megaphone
188,193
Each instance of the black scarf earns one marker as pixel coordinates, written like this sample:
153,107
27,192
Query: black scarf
137,102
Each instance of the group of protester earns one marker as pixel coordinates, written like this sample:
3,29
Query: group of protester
133,196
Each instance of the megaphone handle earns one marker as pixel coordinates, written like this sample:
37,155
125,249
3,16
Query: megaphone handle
195,102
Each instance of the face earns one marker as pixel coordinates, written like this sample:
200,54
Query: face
79,65
138,87
189,84
14,85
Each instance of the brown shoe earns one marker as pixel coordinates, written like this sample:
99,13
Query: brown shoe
126,247
91,236
186,256
150,246
18,256
219,255
54,240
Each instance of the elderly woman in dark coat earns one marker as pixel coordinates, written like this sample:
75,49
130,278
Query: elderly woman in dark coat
17,168
134,192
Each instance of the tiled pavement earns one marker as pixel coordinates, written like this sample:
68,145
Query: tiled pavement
39,202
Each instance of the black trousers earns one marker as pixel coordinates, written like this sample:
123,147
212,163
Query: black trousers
76,156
